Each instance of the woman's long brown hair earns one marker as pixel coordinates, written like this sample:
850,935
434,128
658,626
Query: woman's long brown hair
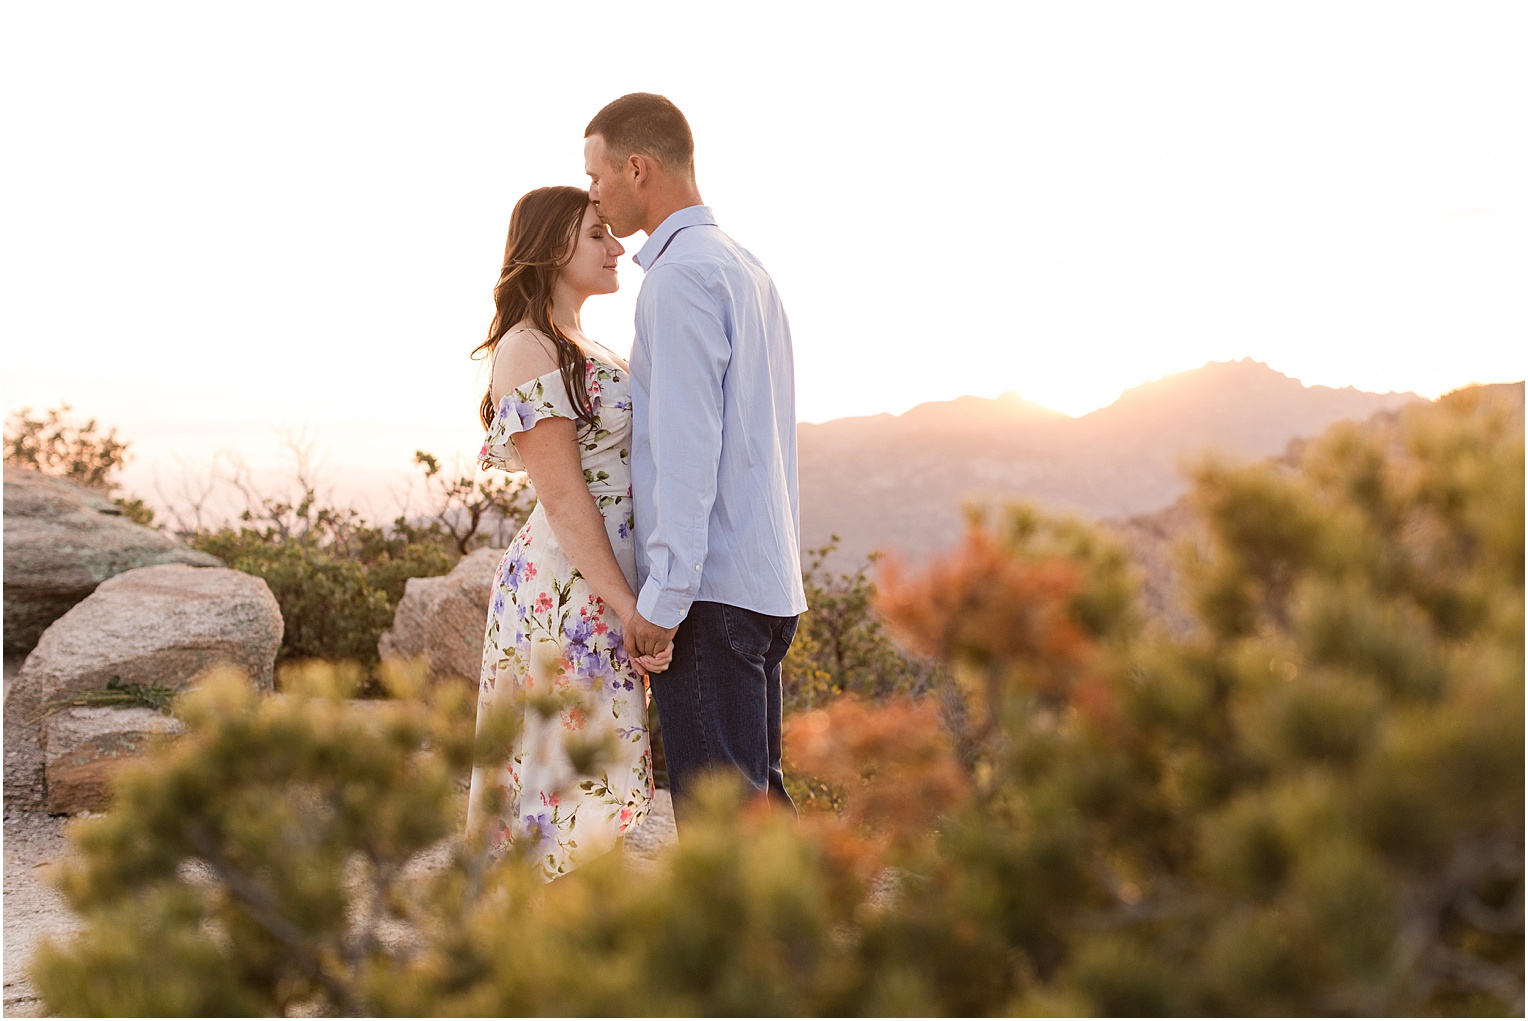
543,230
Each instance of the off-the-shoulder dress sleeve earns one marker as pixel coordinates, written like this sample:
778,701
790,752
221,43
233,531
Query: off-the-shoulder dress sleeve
520,409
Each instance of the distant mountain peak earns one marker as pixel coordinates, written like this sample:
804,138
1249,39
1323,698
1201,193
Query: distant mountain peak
1219,384
899,482
1008,407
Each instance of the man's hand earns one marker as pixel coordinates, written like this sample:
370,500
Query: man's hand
654,664
644,639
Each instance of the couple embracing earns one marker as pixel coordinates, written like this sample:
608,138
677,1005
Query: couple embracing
664,548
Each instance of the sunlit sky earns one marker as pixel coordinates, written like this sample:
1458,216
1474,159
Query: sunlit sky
225,220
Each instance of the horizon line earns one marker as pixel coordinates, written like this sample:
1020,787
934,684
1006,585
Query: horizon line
1014,394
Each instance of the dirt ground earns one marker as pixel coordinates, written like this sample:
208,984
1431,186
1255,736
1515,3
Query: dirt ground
34,842
32,908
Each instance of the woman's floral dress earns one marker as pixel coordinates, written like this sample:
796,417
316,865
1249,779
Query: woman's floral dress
552,645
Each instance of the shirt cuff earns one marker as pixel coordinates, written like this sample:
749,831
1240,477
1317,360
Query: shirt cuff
665,609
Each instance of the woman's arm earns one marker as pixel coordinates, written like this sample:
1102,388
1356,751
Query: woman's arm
549,450
550,453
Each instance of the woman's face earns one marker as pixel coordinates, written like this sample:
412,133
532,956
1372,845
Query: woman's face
592,268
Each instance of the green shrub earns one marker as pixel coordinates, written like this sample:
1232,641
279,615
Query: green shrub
259,862
1312,805
330,606
57,445
337,579
841,645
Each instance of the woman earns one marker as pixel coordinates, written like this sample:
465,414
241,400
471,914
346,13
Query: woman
559,408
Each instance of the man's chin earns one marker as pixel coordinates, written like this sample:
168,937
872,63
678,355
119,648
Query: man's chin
621,230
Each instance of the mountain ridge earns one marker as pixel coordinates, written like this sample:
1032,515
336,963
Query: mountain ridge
899,483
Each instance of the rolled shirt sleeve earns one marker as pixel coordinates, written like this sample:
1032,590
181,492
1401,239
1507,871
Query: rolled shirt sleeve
688,351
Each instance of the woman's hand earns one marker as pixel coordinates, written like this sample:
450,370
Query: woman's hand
633,623
656,663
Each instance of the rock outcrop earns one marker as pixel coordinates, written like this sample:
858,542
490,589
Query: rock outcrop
443,619
61,541
160,626
84,746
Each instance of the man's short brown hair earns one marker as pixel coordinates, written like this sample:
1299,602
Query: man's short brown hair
645,123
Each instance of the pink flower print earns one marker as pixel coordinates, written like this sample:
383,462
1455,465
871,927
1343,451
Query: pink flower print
530,570
544,603
573,718
592,385
601,627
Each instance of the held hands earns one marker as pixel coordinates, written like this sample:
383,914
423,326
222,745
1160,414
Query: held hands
650,647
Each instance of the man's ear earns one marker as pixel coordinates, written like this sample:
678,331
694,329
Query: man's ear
639,168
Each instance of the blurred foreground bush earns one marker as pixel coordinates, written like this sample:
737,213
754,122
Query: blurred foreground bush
842,649
1312,806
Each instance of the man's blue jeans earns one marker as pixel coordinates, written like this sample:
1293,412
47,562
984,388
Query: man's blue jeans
719,700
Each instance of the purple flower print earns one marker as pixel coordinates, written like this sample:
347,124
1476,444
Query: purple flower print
538,827
605,672
623,531
525,410
517,566
579,631
498,602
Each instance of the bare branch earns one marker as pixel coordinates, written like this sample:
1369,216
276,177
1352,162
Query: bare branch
261,907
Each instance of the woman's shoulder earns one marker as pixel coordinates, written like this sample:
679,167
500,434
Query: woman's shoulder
523,354
522,336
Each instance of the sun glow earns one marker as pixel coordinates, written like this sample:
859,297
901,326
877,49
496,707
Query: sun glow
1059,205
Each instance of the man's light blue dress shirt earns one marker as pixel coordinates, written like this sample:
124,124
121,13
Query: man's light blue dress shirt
713,454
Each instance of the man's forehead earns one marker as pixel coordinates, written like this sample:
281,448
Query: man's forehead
597,156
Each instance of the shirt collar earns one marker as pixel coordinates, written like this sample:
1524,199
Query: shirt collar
689,216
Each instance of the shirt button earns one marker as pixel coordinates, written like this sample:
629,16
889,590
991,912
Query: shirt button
697,567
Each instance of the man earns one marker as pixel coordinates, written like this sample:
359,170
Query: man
713,459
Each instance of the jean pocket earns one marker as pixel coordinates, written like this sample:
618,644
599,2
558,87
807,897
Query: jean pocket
748,633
